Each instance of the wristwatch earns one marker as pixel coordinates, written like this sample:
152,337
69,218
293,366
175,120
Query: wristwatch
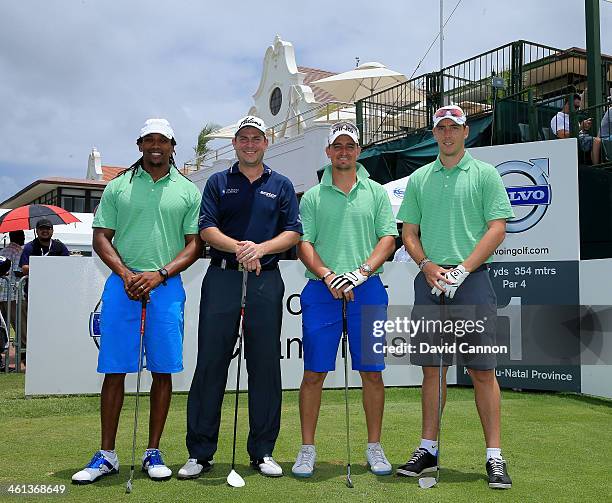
366,268
164,275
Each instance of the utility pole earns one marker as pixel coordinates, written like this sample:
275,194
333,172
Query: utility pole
593,49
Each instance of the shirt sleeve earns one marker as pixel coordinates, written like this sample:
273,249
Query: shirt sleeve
290,214
385,221
308,214
496,204
64,252
209,207
410,211
190,221
25,255
106,214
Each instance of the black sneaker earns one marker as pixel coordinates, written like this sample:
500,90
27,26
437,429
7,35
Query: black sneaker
422,461
498,474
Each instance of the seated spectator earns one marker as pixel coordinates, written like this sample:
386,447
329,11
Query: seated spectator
560,125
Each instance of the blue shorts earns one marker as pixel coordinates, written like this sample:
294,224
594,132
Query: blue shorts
322,326
120,329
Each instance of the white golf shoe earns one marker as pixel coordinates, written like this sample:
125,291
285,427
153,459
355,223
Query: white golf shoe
99,466
305,462
153,464
267,466
194,468
379,465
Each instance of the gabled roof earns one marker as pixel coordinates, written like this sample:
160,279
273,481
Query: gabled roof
110,172
312,74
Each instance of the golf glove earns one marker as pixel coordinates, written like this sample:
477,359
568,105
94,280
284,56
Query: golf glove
352,279
458,275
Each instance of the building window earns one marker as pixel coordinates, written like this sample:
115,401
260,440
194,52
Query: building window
276,100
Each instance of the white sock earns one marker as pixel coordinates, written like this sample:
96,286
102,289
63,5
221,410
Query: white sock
494,452
308,445
109,454
430,445
371,445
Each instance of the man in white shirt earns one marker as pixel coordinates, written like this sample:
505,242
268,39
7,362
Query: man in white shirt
560,125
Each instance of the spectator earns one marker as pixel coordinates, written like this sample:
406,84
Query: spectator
42,245
560,125
13,252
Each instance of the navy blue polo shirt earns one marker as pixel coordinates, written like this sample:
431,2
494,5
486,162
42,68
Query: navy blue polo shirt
248,211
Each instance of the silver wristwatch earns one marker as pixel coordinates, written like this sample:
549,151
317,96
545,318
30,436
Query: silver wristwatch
366,268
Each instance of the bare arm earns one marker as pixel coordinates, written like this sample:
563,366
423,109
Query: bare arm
383,249
248,250
25,269
410,237
562,133
489,242
103,246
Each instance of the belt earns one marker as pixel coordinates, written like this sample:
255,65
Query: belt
235,266
483,267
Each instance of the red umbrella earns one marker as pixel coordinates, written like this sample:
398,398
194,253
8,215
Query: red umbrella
25,217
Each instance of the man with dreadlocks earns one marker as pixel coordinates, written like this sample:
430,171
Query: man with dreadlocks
146,232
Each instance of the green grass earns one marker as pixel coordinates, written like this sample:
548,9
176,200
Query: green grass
558,447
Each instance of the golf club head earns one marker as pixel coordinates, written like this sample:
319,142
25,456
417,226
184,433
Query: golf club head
427,482
128,487
235,480
349,482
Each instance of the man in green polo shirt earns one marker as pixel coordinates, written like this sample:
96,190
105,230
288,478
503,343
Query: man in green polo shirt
454,213
349,232
146,232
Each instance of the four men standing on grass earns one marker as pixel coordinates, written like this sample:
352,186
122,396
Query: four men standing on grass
146,231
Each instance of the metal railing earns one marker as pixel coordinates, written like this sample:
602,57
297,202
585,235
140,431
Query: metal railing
475,84
18,290
325,113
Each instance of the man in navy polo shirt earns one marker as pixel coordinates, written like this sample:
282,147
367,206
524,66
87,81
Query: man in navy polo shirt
249,215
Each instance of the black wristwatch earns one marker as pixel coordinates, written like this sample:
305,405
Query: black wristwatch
164,275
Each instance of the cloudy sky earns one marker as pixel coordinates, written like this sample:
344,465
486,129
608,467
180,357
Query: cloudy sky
81,73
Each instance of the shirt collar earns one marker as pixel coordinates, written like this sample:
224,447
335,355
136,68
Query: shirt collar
326,179
464,163
234,169
172,174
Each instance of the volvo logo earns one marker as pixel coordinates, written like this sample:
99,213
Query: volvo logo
530,190
398,192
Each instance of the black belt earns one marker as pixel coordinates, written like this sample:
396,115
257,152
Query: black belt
483,267
235,266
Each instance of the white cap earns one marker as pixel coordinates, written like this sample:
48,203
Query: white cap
252,121
452,112
161,126
340,128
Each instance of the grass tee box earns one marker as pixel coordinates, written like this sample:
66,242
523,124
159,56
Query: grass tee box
557,446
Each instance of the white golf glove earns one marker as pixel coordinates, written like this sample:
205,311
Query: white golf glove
352,279
458,275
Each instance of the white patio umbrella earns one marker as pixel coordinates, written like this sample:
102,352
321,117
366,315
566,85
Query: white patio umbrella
395,191
361,82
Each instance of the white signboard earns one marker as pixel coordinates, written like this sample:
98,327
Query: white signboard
62,357
542,182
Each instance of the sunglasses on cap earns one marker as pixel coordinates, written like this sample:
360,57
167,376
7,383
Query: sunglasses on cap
445,112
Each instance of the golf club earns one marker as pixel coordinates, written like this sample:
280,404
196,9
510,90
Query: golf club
429,482
349,482
234,479
143,316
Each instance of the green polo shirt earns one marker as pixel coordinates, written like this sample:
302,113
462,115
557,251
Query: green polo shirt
345,228
453,205
150,219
